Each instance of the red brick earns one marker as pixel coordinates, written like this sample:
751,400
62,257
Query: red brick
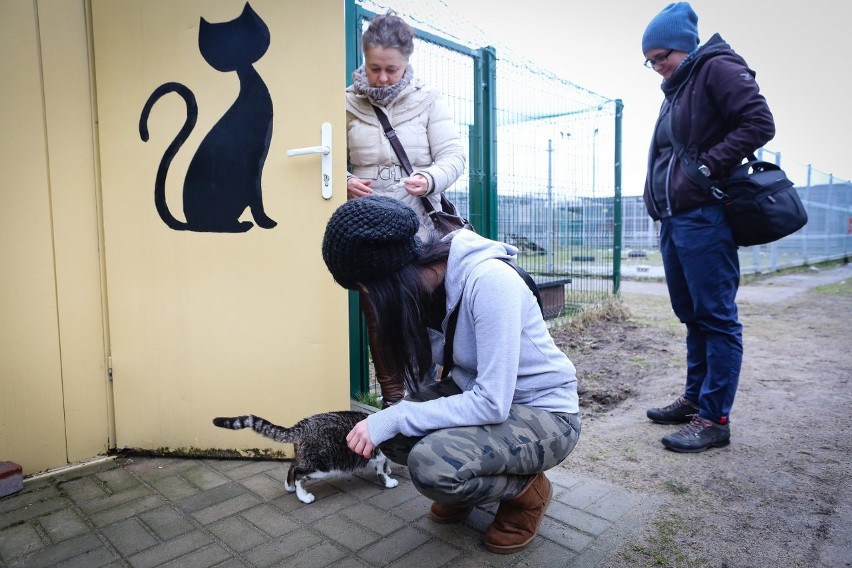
11,478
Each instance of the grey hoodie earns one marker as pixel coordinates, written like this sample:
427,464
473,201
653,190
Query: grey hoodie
502,349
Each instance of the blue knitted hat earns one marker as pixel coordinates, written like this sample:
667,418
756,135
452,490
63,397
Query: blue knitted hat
676,27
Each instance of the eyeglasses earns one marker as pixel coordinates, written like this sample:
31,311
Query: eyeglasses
659,60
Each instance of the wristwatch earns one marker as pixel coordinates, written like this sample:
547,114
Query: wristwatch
704,170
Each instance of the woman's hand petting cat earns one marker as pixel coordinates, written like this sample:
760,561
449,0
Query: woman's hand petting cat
359,440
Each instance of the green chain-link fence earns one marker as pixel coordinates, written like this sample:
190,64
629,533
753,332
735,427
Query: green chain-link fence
543,156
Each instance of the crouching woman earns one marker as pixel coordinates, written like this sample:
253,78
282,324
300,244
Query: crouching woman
506,413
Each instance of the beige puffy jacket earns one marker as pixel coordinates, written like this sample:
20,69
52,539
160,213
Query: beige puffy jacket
427,132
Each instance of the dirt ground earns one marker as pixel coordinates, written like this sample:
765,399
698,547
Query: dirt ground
781,493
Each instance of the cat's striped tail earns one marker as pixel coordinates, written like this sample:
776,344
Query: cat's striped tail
260,425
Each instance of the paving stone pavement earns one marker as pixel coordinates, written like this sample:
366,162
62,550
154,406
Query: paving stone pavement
175,512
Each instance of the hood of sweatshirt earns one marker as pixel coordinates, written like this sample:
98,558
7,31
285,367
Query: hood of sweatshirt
468,250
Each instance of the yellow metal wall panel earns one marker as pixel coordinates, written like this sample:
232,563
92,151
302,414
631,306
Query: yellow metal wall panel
32,426
205,324
69,126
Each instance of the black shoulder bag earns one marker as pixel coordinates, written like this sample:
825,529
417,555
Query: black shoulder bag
761,204
448,219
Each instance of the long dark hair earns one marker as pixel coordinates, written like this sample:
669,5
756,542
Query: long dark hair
404,308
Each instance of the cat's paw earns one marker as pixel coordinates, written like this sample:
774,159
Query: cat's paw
289,488
391,483
307,498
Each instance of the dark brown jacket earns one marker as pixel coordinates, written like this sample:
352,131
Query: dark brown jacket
719,116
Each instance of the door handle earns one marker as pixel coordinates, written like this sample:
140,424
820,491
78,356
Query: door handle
324,149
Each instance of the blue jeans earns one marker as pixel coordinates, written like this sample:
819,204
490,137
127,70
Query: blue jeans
703,274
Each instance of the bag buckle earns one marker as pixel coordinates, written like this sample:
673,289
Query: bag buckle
389,173
717,193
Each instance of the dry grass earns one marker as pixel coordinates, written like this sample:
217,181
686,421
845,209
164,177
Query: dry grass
612,310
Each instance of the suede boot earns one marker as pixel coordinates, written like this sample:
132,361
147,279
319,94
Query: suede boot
516,522
446,514
391,387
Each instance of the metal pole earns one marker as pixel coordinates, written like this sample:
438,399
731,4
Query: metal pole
549,211
594,160
617,212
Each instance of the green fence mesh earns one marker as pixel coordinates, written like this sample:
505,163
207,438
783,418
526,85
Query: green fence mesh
542,147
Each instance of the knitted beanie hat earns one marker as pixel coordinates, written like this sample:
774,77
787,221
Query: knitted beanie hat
370,238
676,27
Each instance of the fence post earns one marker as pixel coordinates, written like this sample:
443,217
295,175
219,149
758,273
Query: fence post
829,213
483,191
807,225
617,213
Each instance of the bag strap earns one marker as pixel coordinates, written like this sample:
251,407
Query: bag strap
690,166
448,342
529,281
390,133
454,317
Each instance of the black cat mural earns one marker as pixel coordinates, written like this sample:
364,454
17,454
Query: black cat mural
224,174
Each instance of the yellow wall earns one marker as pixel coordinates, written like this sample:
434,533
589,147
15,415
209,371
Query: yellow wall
53,388
197,324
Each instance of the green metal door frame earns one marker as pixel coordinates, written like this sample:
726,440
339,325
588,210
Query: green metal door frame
483,180
359,366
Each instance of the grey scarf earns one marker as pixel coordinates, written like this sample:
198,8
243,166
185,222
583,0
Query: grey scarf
381,96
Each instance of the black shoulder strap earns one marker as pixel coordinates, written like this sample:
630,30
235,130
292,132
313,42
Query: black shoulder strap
394,140
529,281
390,133
690,166
448,342
454,317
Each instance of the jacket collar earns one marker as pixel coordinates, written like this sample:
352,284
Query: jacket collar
714,46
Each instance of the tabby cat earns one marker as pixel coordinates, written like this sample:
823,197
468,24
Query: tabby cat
319,443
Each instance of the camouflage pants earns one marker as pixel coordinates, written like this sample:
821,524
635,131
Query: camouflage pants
474,465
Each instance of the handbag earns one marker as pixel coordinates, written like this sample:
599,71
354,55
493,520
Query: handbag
448,219
760,203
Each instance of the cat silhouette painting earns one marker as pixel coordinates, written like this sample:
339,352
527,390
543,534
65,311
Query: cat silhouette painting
224,175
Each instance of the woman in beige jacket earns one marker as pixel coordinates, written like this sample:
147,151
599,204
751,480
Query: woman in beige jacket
423,125
418,116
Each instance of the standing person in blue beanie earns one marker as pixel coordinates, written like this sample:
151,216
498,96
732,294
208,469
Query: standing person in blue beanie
714,114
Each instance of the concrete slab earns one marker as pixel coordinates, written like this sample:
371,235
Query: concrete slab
137,519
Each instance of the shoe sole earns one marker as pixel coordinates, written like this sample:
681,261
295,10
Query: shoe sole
720,444
524,545
686,420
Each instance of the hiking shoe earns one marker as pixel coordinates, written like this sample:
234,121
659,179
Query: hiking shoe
699,435
678,412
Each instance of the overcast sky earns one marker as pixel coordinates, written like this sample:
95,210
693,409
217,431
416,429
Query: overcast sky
801,51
